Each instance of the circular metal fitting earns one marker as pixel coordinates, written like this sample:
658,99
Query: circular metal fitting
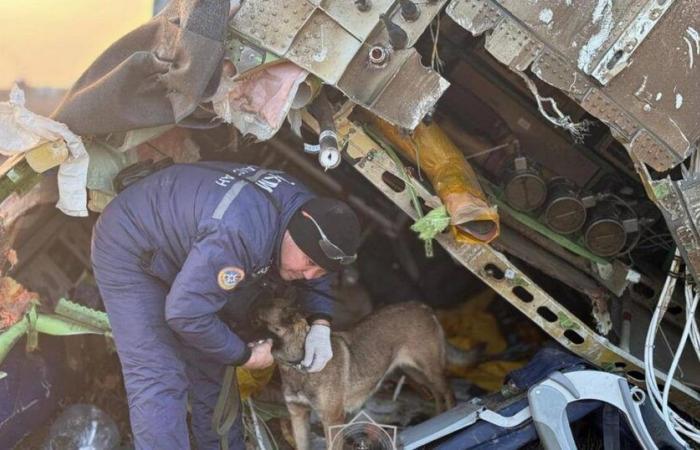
605,233
363,5
605,237
409,11
525,190
378,55
329,158
565,212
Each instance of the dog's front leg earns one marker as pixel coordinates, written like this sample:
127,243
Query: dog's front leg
299,415
334,415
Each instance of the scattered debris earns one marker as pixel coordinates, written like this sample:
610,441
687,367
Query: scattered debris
15,301
83,427
21,130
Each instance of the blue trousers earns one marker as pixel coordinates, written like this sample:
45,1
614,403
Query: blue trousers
159,370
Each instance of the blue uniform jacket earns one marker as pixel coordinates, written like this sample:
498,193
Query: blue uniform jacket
207,234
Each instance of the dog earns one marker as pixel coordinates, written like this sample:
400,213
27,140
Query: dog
406,336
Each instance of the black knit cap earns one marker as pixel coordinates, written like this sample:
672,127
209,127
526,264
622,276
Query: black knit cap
338,222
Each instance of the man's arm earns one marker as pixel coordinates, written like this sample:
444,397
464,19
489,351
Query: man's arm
208,278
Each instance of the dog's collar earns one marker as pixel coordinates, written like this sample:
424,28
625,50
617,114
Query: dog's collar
294,365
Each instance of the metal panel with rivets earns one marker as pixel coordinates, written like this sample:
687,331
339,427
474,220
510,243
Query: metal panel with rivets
601,106
359,22
271,24
327,37
679,202
578,38
323,47
477,16
597,35
513,45
556,71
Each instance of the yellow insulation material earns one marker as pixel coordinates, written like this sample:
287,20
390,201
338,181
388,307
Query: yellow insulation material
469,325
251,382
473,220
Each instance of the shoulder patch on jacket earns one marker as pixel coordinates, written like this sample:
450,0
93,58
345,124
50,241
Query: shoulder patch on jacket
229,277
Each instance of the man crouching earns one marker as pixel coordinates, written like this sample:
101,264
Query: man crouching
173,249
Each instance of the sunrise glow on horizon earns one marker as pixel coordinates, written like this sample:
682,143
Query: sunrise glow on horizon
48,43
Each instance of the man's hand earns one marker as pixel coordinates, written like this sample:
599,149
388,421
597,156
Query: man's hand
260,355
317,348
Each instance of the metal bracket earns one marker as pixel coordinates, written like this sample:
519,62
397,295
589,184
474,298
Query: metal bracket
505,421
549,399
439,426
679,202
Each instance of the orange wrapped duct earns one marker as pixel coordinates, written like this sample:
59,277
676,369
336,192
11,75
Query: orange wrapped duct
473,220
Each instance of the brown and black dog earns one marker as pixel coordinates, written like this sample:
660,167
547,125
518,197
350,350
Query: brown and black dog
406,336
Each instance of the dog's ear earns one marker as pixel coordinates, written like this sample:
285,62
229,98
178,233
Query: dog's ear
298,317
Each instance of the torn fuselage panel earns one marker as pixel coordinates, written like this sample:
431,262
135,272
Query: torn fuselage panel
339,42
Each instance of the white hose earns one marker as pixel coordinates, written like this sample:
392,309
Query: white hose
694,334
675,423
691,305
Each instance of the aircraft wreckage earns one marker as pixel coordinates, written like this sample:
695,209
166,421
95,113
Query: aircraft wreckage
549,147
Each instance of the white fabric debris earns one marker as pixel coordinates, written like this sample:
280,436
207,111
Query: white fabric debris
295,121
257,103
22,130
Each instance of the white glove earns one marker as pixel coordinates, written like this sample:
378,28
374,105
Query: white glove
317,348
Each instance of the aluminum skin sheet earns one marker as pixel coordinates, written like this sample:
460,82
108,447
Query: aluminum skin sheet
333,39
652,111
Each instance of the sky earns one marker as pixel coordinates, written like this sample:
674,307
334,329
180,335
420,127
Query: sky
49,43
